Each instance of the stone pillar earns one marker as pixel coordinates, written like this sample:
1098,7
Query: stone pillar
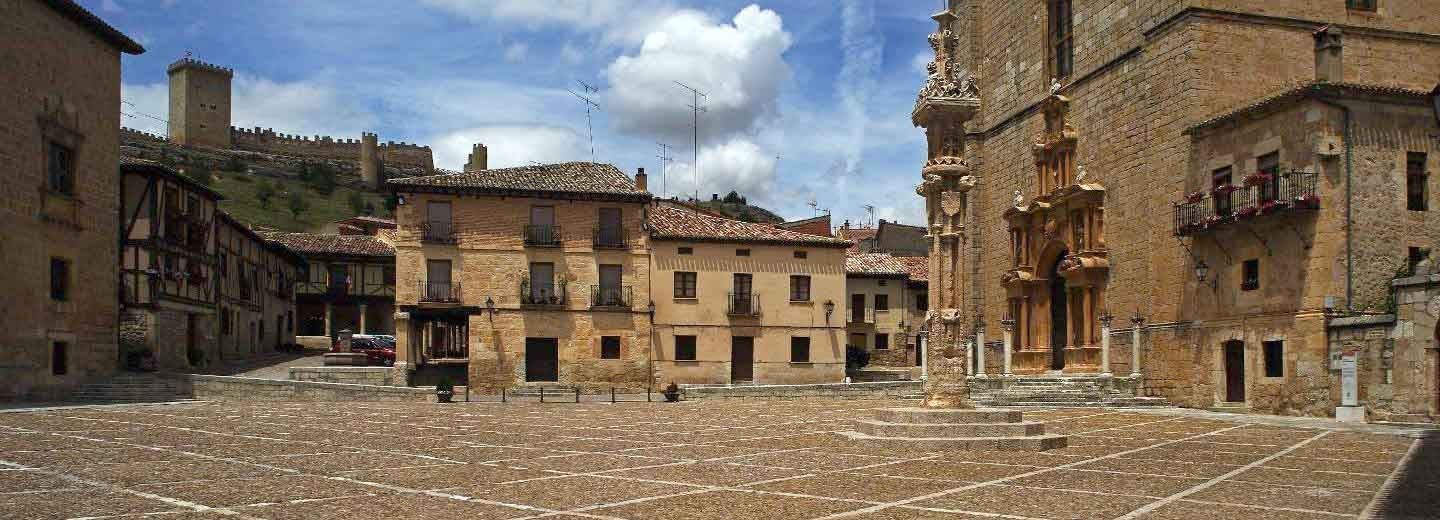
1105,320
328,333
1008,325
362,320
1136,321
979,346
924,347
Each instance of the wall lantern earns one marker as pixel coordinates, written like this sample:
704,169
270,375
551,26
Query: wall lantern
652,311
829,309
1201,270
490,306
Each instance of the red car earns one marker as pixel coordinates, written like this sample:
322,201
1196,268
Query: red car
379,350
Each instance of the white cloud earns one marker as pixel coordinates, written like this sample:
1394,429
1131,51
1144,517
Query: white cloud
737,164
863,49
510,145
621,21
921,61
572,54
516,52
301,108
740,66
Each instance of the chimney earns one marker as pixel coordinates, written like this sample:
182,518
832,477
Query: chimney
1329,55
641,180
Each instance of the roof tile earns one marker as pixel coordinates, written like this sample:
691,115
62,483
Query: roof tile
571,178
676,221
340,245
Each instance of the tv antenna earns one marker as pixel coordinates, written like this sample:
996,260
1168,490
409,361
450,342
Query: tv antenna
589,105
814,207
870,215
695,110
665,160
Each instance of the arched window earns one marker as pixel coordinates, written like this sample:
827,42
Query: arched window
1061,44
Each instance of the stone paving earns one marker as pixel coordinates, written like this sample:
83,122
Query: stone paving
728,459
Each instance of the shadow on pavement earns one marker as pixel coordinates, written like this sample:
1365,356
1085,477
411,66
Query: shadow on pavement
1417,489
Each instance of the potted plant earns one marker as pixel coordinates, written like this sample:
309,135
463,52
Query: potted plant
1194,197
1224,189
672,392
444,390
1257,179
1246,212
1309,201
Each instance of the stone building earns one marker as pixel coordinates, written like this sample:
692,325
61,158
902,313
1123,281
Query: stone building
888,299
1398,373
531,275
1188,167
59,142
199,104
348,283
739,302
256,280
167,265
815,226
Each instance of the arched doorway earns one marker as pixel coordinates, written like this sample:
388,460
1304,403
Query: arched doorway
1059,314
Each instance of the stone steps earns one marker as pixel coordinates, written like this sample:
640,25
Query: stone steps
954,429
1057,391
132,388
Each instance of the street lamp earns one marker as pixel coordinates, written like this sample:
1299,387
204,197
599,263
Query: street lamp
1201,270
829,309
652,310
490,306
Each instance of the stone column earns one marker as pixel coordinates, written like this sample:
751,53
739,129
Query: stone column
362,320
1105,320
328,333
1136,321
1008,325
924,347
979,346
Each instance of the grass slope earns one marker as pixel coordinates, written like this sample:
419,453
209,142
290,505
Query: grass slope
240,201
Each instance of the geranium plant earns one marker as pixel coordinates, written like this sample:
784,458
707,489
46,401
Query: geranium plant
1246,212
1257,179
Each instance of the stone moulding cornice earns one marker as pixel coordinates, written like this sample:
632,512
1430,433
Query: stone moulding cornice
931,108
1090,192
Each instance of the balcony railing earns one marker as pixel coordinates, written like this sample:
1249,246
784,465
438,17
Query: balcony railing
610,297
542,294
859,316
1260,198
536,235
440,292
608,238
743,304
437,233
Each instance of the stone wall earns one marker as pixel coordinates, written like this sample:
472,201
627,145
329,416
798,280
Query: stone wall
227,388
1398,360
397,155
884,390
61,84
376,376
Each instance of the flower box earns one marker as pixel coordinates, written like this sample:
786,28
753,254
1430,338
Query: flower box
1194,197
1308,201
1257,179
1246,212
1225,189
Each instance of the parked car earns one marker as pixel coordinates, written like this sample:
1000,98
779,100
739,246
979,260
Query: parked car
378,349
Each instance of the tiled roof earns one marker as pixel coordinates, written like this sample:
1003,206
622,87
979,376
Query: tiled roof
676,221
95,25
591,180
815,226
917,266
1308,90
367,219
336,245
132,164
269,243
856,235
874,264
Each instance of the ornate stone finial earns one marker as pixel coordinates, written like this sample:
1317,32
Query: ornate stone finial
1019,199
1081,175
1054,86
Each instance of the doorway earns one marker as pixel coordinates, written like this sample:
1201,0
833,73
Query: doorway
1059,313
1234,371
742,359
542,360
857,308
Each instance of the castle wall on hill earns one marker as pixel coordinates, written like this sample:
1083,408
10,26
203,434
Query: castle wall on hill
396,155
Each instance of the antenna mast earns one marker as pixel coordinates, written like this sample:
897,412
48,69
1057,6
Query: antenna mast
665,160
870,215
695,110
589,104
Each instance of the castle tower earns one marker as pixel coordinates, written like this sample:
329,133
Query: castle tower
479,158
372,169
944,105
199,104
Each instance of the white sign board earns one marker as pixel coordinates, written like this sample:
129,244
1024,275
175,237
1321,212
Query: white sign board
1349,392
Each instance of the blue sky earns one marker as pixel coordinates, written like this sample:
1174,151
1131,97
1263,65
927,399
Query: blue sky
826,86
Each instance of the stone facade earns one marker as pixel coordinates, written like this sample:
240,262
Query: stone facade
1398,355
59,97
1082,150
199,104
256,296
876,279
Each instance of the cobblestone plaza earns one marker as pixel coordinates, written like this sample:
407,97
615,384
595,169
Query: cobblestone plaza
732,459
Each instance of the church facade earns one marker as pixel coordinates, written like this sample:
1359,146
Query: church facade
1231,181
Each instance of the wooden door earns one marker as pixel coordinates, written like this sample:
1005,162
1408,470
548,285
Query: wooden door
1235,371
857,308
542,360
742,359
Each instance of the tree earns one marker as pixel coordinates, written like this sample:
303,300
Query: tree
357,203
198,174
319,176
298,203
235,164
392,201
732,197
264,192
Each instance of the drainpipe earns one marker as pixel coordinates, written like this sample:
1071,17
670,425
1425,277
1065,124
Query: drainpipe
1349,201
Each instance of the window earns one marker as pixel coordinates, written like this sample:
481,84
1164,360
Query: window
1274,358
882,341
686,251
922,301
799,288
61,169
1417,255
608,233
1269,164
1250,275
882,302
742,252
542,283
1062,45
59,358
1415,177
438,225
1223,202
59,279
610,347
684,285
684,348
799,349
388,274
437,281
1360,5
802,254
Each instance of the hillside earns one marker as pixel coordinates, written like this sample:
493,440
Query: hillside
737,207
330,190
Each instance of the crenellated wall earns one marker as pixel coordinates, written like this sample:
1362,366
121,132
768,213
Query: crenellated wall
397,155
